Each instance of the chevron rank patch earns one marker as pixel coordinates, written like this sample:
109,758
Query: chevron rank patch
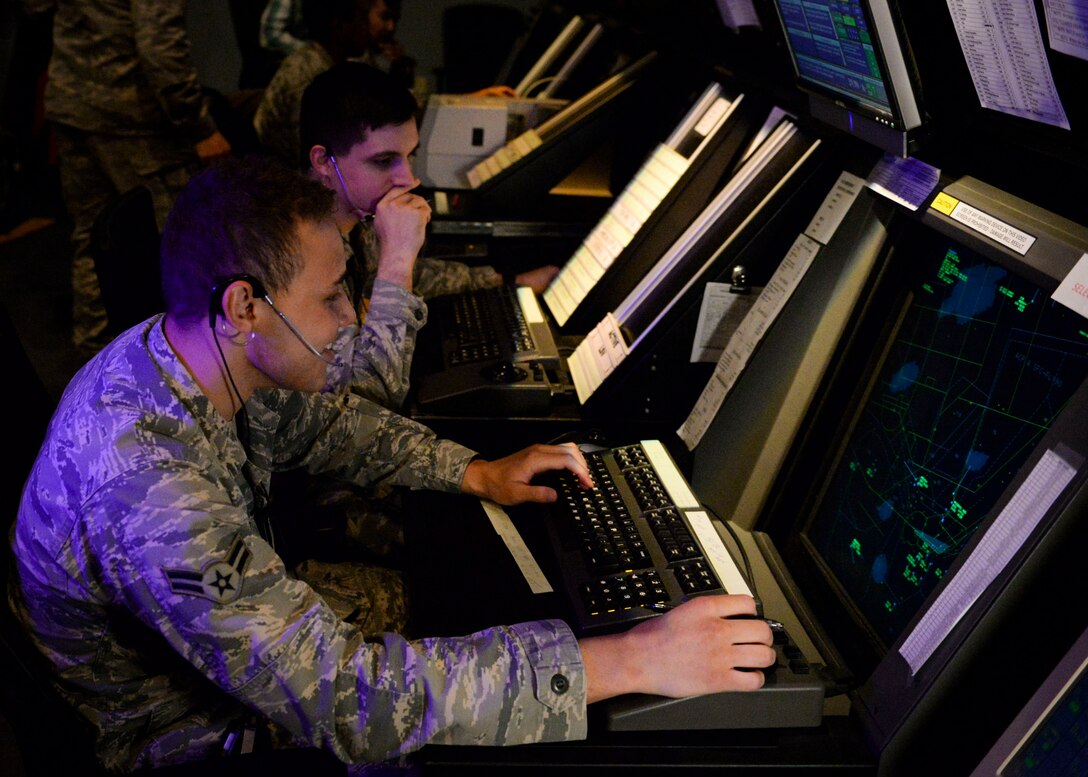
220,581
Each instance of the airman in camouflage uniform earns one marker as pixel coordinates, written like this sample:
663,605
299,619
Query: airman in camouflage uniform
136,536
143,573
378,172
367,118
127,110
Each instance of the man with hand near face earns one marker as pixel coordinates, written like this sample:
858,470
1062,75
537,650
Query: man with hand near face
358,132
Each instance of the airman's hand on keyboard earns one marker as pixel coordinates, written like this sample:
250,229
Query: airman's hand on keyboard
507,481
696,648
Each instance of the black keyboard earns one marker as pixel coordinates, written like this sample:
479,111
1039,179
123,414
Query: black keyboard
488,352
639,543
486,325
626,548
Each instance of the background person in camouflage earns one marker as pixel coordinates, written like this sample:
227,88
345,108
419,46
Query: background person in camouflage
126,109
337,30
142,572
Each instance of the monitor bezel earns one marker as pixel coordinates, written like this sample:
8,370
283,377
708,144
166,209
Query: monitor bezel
1038,712
896,130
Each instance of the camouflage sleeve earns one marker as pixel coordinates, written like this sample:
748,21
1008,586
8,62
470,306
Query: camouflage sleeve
280,21
430,278
354,439
175,551
161,33
377,356
435,277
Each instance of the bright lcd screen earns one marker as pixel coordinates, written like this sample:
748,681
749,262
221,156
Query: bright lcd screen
980,365
833,48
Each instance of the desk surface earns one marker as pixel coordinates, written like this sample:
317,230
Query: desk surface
480,585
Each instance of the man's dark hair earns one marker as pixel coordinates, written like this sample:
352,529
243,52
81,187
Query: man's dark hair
343,104
238,216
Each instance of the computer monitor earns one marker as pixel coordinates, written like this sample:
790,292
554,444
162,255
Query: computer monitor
927,514
785,150
849,56
1047,737
977,365
676,180
635,362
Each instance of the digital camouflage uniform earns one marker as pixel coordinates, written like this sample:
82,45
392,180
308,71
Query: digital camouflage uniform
375,364
277,117
140,573
126,109
376,354
371,519
430,278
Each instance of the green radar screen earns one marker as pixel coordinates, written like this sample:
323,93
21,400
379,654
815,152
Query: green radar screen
981,365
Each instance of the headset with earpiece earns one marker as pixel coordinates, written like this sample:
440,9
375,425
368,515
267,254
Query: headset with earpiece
215,309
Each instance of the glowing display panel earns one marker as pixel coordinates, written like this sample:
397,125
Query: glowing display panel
980,365
833,48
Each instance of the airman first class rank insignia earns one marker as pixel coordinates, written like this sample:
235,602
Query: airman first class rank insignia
220,581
